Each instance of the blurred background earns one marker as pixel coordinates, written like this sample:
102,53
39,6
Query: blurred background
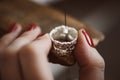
104,15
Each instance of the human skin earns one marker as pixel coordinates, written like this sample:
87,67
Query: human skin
91,63
23,56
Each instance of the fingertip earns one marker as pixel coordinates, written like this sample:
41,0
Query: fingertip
43,42
13,28
12,33
81,39
45,36
85,53
40,30
32,27
47,39
19,26
82,47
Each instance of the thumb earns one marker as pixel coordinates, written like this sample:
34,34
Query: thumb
85,53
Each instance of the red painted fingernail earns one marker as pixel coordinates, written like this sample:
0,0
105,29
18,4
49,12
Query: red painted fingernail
88,38
12,28
40,35
31,27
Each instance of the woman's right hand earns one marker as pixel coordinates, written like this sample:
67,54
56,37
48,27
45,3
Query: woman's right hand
91,64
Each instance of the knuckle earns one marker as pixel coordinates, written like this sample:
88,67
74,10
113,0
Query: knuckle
26,51
8,55
100,64
98,60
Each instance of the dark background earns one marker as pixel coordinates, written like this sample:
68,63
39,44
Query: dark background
104,16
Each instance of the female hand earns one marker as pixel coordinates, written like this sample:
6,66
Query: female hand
24,57
91,64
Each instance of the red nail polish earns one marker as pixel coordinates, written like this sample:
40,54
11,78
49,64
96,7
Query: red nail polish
40,35
88,38
31,27
12,28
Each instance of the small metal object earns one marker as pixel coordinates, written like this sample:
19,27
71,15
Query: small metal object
64,39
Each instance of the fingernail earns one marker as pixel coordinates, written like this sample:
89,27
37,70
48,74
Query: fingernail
88,38
40,35
31,27
45,35
12,28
